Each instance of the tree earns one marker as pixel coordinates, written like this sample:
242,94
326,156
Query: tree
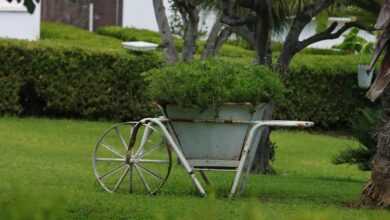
218,35
377,191
262,16
167,39
303,15
255,26
189,11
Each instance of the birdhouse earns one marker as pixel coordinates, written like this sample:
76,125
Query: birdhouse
365,76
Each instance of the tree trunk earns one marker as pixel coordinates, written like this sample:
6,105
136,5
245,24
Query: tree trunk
167,41
263,35
209,48
285,58
263,155
377,191
222,38
290,46
218,36
262,43
190,36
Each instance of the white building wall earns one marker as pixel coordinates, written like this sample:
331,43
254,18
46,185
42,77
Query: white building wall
140,14
17,23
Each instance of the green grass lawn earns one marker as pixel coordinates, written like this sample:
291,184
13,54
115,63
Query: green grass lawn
46,173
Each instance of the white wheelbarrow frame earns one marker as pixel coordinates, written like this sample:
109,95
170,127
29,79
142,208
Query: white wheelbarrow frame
164,124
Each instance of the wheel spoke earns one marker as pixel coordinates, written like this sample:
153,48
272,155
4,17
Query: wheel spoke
150,172
149,151
111,165
111,159
153,161
131,171
112,150
121,178
144,139
143,178
111,172
123,141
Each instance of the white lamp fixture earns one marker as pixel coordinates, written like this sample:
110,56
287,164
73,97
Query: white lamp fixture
139,46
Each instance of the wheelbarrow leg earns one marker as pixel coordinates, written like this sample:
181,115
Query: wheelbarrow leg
204,177
179,154
248,144
243,159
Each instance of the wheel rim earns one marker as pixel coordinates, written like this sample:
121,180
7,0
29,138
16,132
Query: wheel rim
132,157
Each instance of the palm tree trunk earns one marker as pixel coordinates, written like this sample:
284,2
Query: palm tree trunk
377,191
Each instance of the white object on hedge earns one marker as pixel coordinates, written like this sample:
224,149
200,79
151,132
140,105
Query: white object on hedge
364,76
139,45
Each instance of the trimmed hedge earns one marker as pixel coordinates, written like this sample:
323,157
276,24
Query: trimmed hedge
134,34
62,35
74,73
323,89
42,79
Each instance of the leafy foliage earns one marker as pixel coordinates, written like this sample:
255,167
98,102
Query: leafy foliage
101,62
363,129
62,35
47,79
353,43
130,34
134,34
211,83
323,89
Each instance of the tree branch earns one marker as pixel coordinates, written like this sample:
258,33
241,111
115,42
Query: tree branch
238,21
329,33
245,33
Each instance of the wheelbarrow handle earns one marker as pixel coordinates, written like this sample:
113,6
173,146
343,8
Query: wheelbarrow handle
281,123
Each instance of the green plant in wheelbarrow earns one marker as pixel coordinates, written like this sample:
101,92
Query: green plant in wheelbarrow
214,117
211,84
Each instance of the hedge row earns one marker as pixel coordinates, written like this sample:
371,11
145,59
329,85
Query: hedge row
74,73
323,89
41,79
134,34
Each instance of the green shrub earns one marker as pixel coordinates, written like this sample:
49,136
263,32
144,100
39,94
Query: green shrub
134,34
211,83
353,43
323,89
130,34
57,34
363,129
68,81
228,50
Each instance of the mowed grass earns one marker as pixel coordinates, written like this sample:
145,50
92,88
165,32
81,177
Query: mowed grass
46,173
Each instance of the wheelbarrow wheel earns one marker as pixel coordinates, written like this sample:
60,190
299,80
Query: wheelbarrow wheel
132,157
